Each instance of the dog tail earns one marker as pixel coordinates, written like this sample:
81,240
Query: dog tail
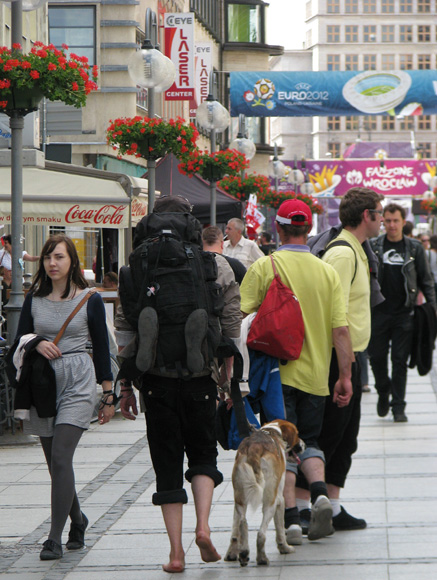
255,476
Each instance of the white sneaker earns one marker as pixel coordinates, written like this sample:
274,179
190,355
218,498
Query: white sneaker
294,535
321,519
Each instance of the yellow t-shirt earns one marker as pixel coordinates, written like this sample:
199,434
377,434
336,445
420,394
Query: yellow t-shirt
357,294
318,289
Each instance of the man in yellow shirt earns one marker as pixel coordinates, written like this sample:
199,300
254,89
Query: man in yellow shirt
305,381
360,215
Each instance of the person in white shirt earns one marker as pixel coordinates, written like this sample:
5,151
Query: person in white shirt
6,259
236,246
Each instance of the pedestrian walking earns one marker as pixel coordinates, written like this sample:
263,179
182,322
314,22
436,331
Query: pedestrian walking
58,288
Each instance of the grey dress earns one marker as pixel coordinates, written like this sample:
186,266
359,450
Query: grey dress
75,375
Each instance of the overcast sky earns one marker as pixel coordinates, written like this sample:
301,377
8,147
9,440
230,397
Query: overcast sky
285,25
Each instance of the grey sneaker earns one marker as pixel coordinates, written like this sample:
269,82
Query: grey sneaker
147,338
294,535
321,519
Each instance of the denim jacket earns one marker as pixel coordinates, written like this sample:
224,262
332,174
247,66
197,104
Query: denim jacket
416,271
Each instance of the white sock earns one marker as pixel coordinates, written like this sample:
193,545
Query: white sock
335,506
303,504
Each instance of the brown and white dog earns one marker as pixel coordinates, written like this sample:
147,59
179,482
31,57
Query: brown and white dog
259,477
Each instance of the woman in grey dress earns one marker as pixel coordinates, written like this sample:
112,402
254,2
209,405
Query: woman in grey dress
57,289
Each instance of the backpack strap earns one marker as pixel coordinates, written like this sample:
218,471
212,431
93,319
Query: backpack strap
345,243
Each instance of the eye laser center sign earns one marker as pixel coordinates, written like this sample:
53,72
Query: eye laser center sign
179,48
333,93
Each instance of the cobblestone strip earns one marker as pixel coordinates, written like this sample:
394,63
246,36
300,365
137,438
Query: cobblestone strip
61,568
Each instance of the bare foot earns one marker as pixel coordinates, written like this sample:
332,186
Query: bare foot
174,566
206,547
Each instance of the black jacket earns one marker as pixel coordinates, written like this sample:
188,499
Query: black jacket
425,331
416,271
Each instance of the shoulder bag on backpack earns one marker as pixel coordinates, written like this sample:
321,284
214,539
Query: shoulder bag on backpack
278,328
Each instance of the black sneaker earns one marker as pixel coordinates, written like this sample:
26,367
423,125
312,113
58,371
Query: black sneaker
76,535
51,551
344,521
399,417
305,518
383,405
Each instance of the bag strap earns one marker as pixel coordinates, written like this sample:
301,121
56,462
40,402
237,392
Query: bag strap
73,314
275,272
239,409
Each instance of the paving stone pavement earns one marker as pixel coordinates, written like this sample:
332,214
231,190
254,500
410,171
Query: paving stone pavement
392,484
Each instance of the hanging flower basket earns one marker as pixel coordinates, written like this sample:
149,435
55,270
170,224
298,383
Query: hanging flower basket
274,200
45,72
242,187
151,138
213,166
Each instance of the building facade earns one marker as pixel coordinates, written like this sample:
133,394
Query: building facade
364,35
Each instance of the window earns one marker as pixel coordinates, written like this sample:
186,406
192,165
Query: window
333,6
74,26
369,33
424,6
333,33
369,61
425,150
370,123
387,33
423,33
308,9
406,33
352,123
387,61
406,61
333,62
334,123
334,150
388,123
309,38
244,23
351,6
387,6
406,5
351,33
407,124
423,61
424,123
351,62
369,6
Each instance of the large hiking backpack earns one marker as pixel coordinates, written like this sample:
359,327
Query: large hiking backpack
321,243
169,272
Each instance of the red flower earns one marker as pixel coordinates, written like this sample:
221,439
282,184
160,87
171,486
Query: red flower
34,74
75,86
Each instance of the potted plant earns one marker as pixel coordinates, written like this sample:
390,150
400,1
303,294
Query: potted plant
430,203
44,72
151,138
213,166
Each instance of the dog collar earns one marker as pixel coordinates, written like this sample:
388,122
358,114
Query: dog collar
273,427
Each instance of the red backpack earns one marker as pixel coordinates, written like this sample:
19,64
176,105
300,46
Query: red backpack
278,329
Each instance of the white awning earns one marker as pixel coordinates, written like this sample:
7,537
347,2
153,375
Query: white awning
64,194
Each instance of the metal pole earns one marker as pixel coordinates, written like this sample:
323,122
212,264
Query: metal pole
151,23
213,185
13,307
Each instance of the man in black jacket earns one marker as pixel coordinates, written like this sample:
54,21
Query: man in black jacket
403,271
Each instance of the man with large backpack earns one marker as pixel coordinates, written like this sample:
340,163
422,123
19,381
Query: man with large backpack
172,301
360,215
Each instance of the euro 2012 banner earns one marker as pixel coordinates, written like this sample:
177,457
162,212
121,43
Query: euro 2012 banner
333,93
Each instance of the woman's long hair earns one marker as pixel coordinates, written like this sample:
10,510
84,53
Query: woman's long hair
42,284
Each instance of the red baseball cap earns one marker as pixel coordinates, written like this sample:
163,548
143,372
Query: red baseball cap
292,209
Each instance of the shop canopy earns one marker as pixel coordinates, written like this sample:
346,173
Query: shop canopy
170,181
62,194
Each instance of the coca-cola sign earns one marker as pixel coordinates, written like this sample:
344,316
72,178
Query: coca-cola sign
138,208
109,215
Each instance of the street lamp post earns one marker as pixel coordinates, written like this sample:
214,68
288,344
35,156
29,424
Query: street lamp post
16,122
212,116
241,143
152,70
276,168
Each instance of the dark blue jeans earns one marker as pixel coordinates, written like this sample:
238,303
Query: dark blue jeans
395,331
180,417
